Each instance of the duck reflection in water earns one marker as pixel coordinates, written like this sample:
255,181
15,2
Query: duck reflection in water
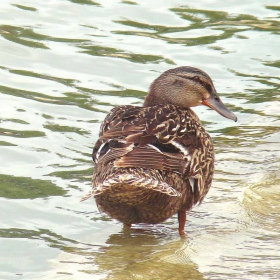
138,254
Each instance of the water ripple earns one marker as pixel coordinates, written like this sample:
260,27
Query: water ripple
64,65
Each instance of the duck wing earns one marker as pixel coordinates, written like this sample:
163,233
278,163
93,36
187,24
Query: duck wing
128,136
162,137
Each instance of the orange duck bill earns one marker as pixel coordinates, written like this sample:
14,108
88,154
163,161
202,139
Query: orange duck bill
215,103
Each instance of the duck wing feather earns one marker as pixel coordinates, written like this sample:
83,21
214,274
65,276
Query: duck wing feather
162,137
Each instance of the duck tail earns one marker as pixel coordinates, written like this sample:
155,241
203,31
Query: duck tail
87,196
132,181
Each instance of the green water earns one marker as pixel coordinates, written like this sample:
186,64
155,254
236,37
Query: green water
64,65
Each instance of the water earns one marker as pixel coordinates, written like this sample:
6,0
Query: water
64,65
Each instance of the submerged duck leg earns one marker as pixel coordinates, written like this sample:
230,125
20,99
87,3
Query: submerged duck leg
182,221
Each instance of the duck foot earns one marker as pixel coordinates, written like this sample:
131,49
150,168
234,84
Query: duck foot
182,216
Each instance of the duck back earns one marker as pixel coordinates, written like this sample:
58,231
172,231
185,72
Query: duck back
150,163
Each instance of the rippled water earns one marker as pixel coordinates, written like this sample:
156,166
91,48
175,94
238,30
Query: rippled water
64,65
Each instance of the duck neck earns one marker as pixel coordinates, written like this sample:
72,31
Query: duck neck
153,99
150,100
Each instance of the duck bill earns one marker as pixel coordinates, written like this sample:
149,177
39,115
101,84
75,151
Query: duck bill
215,103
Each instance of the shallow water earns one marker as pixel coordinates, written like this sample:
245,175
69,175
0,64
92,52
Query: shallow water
64,65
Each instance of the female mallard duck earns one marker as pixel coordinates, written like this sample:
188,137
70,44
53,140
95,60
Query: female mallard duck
157,160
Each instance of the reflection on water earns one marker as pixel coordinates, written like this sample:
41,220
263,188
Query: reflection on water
64,65
141,255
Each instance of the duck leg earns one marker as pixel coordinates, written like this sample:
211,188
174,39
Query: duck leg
182,215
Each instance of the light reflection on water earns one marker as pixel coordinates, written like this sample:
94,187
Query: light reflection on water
64,65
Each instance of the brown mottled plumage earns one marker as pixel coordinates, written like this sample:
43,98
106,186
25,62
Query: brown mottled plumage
155,161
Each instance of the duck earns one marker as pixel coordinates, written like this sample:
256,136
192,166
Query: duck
154,161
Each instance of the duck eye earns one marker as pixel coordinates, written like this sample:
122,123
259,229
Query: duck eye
209,88
196,78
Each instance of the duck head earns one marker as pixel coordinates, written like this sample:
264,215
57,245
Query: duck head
186,87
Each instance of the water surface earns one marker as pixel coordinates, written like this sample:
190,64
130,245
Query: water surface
64,65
